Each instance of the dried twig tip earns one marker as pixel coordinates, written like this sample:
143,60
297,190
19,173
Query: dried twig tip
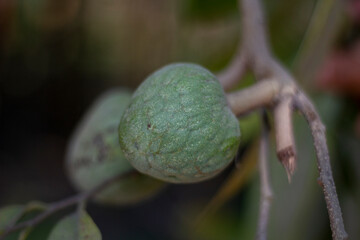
287,158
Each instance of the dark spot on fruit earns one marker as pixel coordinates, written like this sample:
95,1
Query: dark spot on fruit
171,176
199,171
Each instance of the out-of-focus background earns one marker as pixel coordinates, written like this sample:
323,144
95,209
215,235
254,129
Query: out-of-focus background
56,57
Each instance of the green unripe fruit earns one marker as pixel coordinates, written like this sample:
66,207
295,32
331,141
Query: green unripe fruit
94,154
178,126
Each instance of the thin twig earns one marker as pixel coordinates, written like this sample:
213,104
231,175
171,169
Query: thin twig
234,72
255,42
265,186
324,166
62,204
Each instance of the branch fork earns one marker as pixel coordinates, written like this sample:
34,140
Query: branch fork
276,89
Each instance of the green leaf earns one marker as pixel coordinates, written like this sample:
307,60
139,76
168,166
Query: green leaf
9,215
24,233
77,226
36,206
233,184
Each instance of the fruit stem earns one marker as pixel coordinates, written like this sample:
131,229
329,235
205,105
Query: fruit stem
258,95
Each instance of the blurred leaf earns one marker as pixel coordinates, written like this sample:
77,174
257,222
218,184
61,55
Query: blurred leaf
319,37
250,127
24,234
285,40
14,214
237,179
9,215
35,206
41,230
219,226
77,226
208,10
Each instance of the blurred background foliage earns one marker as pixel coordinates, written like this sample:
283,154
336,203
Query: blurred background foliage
56,57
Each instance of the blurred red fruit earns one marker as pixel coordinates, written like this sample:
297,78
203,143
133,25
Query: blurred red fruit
341,72
353,9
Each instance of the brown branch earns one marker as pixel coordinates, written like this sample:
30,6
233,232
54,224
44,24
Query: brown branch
265,186
234,72
326,179
254,52
255,43
264,66
62,204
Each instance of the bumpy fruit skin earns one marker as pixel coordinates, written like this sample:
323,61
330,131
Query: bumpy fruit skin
178,126
94,154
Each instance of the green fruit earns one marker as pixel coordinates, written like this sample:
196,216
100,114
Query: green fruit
94,154
178,126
